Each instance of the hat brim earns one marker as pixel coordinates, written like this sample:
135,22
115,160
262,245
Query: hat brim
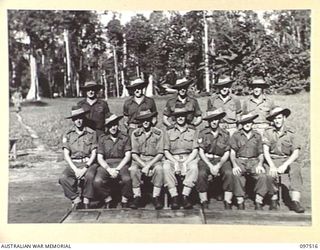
285,112
222,84
182,113
146,116
215,116
77,115
114,120
136,85
248,119
182,85
98,87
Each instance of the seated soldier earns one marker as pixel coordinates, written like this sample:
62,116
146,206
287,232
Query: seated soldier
247,160
181,150
79,147
214,154
281,151
147,152
114,155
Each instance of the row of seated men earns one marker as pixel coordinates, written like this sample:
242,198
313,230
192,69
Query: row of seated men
181,150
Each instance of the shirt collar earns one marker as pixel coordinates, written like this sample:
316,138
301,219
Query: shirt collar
263,96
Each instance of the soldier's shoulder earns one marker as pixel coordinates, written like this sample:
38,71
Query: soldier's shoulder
205,130
129,100
157,131
81,102
137,132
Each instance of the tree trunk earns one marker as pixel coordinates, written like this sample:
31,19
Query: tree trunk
124,89
66,39
116,69
206,56
149,89
105,85
33,93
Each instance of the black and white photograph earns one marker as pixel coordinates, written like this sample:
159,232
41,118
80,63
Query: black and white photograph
159,117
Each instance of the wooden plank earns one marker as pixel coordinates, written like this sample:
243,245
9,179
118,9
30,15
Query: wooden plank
82,216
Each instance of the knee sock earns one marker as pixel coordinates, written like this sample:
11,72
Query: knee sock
186,191
76,200
259,199
124,199
156,192
228,196
240,199
86,201
108,199
173,192
274,197
203,197
295,196
136,192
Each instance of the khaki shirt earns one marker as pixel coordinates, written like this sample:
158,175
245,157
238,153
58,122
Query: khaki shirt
282,145
232,107
131,108
97,114
261,108
244,147
184,142
214,145
114,149
191,104
80,146
150,145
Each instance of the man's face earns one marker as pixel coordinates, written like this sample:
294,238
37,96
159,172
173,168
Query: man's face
138,92
224,91
181,120
182,92
113,128
247,127
146,124
214,124
92,93
78,121
279,121
257,91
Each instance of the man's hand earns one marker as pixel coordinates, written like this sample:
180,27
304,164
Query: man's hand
282,169
113,172
214,169
177,168
236,170
80,172
145,169
260,169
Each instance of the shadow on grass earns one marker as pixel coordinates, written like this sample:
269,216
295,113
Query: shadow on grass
34,103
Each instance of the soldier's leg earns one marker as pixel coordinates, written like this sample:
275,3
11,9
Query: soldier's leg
101,185
69,183
202,181
157,181
135,174
295,187
189,182
126,183
171,182
227,183
88,189
239,182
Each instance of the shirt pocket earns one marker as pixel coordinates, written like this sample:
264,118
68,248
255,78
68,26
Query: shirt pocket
286,147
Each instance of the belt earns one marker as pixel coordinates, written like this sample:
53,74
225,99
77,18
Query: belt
133,125
80,160
278,156
211,156
228,125
247,158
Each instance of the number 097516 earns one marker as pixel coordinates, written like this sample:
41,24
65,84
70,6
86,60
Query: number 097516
308,246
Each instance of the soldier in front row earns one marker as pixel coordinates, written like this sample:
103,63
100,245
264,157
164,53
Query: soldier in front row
147,152
246,155
181,151
281,151
114,155
214,153
79,148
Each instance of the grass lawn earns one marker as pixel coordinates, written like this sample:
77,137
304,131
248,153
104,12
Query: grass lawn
47,119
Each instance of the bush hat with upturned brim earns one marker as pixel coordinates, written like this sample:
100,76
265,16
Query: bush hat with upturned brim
245,118
216,114
136,84
258,82
181,112
145,115
223,81
91,85
77,112
182,83
276,111
112,118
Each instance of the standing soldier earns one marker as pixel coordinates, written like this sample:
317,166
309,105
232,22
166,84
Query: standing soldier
181,150
246,155
136,103
228,102
182,100
98,109
259,104
114,155
214,154
79,147
147,152
281,151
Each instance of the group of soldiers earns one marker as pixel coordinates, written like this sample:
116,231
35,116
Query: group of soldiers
241,141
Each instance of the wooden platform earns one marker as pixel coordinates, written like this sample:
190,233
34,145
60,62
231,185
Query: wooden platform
194,216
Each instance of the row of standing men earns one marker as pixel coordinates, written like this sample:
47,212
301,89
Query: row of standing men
240,141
